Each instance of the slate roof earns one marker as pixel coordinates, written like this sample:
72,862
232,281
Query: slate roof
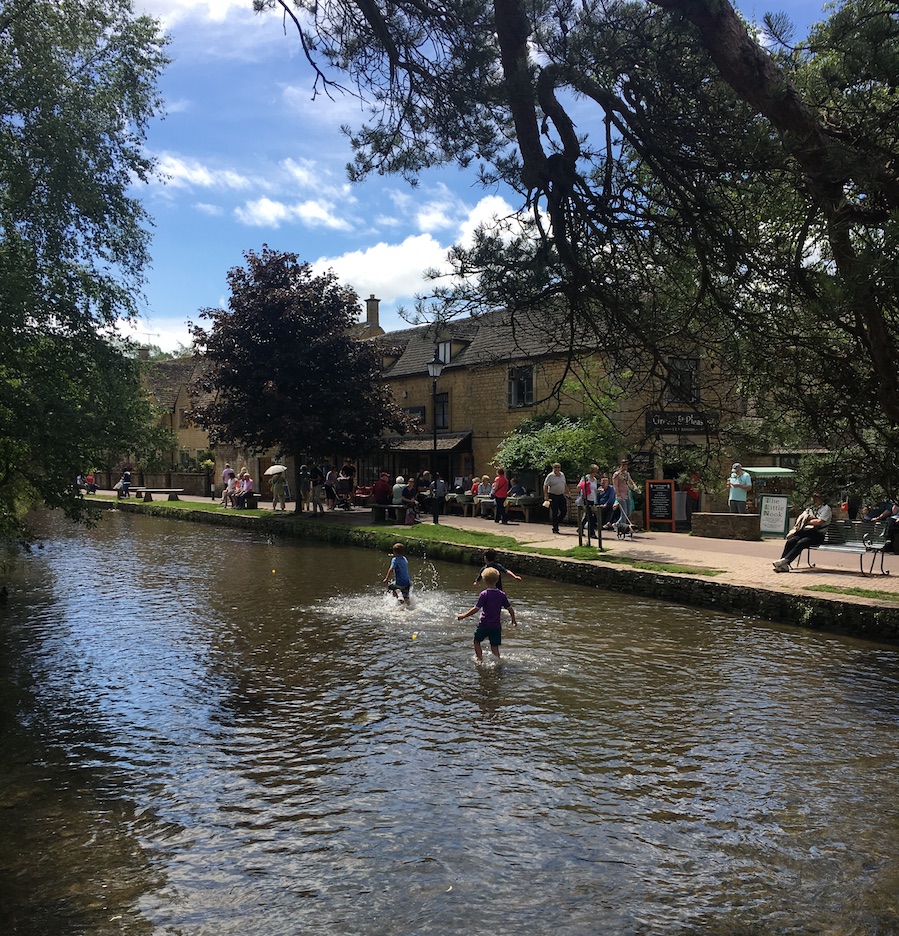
166,378
489,339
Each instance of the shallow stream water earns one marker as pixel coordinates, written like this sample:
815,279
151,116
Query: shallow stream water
210,732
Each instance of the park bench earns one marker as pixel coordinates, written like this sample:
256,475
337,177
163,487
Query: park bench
863,539
382,513
147,493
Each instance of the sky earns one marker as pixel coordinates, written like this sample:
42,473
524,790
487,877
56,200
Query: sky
248,158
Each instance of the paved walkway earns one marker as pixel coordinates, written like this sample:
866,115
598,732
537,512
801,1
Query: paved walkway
741,563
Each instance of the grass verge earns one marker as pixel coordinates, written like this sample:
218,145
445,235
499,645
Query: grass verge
426,533
855,592
448,534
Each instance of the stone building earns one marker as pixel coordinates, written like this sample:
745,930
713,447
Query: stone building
169,383
499,370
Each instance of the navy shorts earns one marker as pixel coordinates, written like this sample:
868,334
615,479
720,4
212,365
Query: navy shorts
493,634
402,589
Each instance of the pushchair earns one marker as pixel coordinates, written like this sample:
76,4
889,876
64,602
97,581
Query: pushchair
344,491
621,523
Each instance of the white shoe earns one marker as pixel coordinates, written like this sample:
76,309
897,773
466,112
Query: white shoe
782,565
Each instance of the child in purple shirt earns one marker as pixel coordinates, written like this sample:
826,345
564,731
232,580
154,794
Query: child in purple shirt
491,601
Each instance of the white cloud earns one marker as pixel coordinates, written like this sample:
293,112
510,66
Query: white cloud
393,272
165,333
301,171
171,12
266,212
180,172
433,218
214,211
488,210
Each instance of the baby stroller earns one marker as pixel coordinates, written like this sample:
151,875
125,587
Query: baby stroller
621,523
344,490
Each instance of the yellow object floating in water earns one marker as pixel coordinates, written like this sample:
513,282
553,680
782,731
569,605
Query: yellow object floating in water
273,571
415,636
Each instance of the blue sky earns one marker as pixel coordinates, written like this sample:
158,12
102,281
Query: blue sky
248,158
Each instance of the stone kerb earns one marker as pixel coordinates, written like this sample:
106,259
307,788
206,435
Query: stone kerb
726,526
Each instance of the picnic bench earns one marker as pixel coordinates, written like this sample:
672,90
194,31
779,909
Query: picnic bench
854,536
463,503
148,493
523,505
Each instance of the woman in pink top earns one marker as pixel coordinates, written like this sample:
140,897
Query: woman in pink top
500,493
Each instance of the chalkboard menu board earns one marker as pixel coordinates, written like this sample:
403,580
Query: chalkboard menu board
660,503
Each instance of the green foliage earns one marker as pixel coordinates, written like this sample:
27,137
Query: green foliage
575,443
77,87
713,195
284,370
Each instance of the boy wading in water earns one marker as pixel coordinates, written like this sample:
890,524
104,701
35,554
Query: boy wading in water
491,602
399,569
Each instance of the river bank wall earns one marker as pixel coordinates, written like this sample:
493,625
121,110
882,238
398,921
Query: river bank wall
867,621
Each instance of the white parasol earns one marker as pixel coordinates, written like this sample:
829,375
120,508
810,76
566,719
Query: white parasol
275,469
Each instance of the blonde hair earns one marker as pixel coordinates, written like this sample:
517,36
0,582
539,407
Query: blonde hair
490,576
485,478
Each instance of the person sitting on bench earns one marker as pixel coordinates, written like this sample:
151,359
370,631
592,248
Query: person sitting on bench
809,530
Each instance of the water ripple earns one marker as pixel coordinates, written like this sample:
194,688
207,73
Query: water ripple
252,737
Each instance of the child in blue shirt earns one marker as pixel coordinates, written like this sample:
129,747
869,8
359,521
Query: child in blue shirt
491,601
399,567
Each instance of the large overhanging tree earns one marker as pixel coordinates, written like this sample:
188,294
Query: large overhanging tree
77,87
282,369
682,184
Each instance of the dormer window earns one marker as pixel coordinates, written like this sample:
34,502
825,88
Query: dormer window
444,351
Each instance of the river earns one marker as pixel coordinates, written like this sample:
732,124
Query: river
211,732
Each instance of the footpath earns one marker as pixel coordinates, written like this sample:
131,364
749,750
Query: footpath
745,579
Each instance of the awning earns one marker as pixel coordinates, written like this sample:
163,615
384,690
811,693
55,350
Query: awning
769,472
447,442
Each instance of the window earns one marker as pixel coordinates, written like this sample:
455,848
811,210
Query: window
521,387
683,382
183,421
417,413
444,351
441,415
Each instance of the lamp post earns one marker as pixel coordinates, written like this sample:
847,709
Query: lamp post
435,368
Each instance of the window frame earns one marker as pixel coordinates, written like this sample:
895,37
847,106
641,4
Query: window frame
683,380
520,374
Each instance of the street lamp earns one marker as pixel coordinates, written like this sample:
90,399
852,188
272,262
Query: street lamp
435,369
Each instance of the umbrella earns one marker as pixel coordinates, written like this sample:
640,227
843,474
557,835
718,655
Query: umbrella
275,469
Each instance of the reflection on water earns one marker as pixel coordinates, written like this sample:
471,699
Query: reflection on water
209,732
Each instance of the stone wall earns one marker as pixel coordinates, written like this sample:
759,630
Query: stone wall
726,526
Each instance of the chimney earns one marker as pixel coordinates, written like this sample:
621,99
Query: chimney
143,354
371,311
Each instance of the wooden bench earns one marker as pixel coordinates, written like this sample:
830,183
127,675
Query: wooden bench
853,536
382,513
464,507
149,492
484,507
525,507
